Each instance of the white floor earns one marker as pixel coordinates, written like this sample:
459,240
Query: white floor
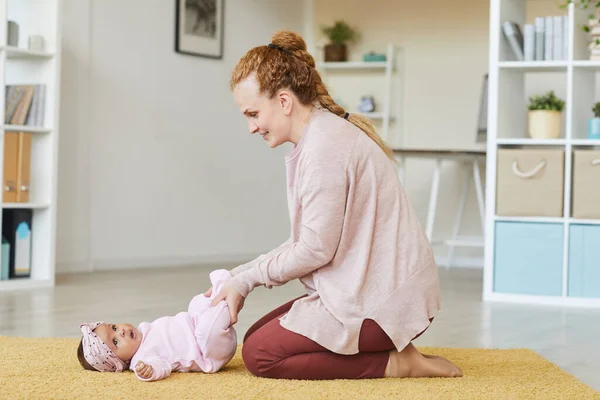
566,336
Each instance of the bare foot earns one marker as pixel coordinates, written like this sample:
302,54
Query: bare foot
409,363
446,361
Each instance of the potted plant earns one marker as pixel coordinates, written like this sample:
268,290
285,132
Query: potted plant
339,34
545,113
594,123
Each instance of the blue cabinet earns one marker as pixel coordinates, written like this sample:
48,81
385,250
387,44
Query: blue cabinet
584,261
528,258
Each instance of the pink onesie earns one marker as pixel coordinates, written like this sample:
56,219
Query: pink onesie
198,339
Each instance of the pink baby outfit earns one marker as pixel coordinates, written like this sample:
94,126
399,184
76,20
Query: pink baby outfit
196,340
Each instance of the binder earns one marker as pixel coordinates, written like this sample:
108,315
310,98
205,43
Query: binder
24,166
11,167
17,166
16,228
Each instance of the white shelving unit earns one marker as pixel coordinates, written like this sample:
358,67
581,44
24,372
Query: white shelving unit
388,100
507,128
18,65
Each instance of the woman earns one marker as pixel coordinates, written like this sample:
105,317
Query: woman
355,244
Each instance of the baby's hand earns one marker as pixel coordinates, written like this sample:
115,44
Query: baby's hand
143,370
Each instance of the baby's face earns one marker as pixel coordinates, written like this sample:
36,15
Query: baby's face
123,339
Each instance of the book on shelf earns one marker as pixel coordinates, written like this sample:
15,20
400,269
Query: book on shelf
543,40
25,105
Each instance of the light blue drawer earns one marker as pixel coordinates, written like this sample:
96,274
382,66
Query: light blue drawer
584,261
528,258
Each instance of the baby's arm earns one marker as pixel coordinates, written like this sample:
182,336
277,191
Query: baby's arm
152,370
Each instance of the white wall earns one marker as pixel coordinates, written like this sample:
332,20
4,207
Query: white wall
156,165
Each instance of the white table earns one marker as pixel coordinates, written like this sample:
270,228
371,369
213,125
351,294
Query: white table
468,159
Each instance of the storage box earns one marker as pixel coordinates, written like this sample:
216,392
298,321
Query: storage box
586,184
530,182
584,261
528,258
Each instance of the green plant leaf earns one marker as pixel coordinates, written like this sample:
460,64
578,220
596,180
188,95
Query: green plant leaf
547,101
596,110
340,32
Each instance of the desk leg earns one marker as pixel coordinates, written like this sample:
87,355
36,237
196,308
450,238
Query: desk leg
433,197
479,190
459,216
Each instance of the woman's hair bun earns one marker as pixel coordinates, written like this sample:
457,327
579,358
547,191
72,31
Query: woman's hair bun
288,40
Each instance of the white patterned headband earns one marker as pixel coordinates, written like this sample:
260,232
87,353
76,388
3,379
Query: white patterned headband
97,353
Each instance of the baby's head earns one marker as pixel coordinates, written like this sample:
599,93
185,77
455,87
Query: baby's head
108,347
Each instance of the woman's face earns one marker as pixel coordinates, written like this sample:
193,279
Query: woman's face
268,117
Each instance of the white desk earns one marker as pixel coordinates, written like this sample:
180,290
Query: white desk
468,159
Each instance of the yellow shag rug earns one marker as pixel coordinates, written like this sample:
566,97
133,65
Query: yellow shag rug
48,368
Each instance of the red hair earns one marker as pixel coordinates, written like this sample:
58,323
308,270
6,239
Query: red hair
288,65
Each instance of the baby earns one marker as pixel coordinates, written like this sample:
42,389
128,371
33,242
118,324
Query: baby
198,339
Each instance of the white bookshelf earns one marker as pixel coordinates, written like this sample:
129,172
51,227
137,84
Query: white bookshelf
19,65
507,128
348,79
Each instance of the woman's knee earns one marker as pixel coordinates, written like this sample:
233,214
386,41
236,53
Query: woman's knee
257,360
250,355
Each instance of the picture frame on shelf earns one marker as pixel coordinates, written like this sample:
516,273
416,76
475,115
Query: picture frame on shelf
199,28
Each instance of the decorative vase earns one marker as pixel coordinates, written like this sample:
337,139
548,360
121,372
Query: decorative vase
594,128
544,124
335,52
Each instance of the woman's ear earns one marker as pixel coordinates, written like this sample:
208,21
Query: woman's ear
286,101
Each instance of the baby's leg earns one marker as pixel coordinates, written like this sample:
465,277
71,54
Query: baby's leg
217,340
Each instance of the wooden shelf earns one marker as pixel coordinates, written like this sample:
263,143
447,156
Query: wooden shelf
531,142
23,128
585,142
535,66
564,253
25,283
19,53
584,221
549,220
33,206
373,115
388,96
354,65
24,67
587,64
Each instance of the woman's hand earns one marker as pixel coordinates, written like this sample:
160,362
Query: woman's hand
234,299
208,293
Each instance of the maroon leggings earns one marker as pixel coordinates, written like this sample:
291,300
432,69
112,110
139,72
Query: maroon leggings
271,351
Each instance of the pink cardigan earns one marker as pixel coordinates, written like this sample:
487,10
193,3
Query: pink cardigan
355,243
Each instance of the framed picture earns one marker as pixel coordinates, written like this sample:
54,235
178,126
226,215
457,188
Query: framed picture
199,27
